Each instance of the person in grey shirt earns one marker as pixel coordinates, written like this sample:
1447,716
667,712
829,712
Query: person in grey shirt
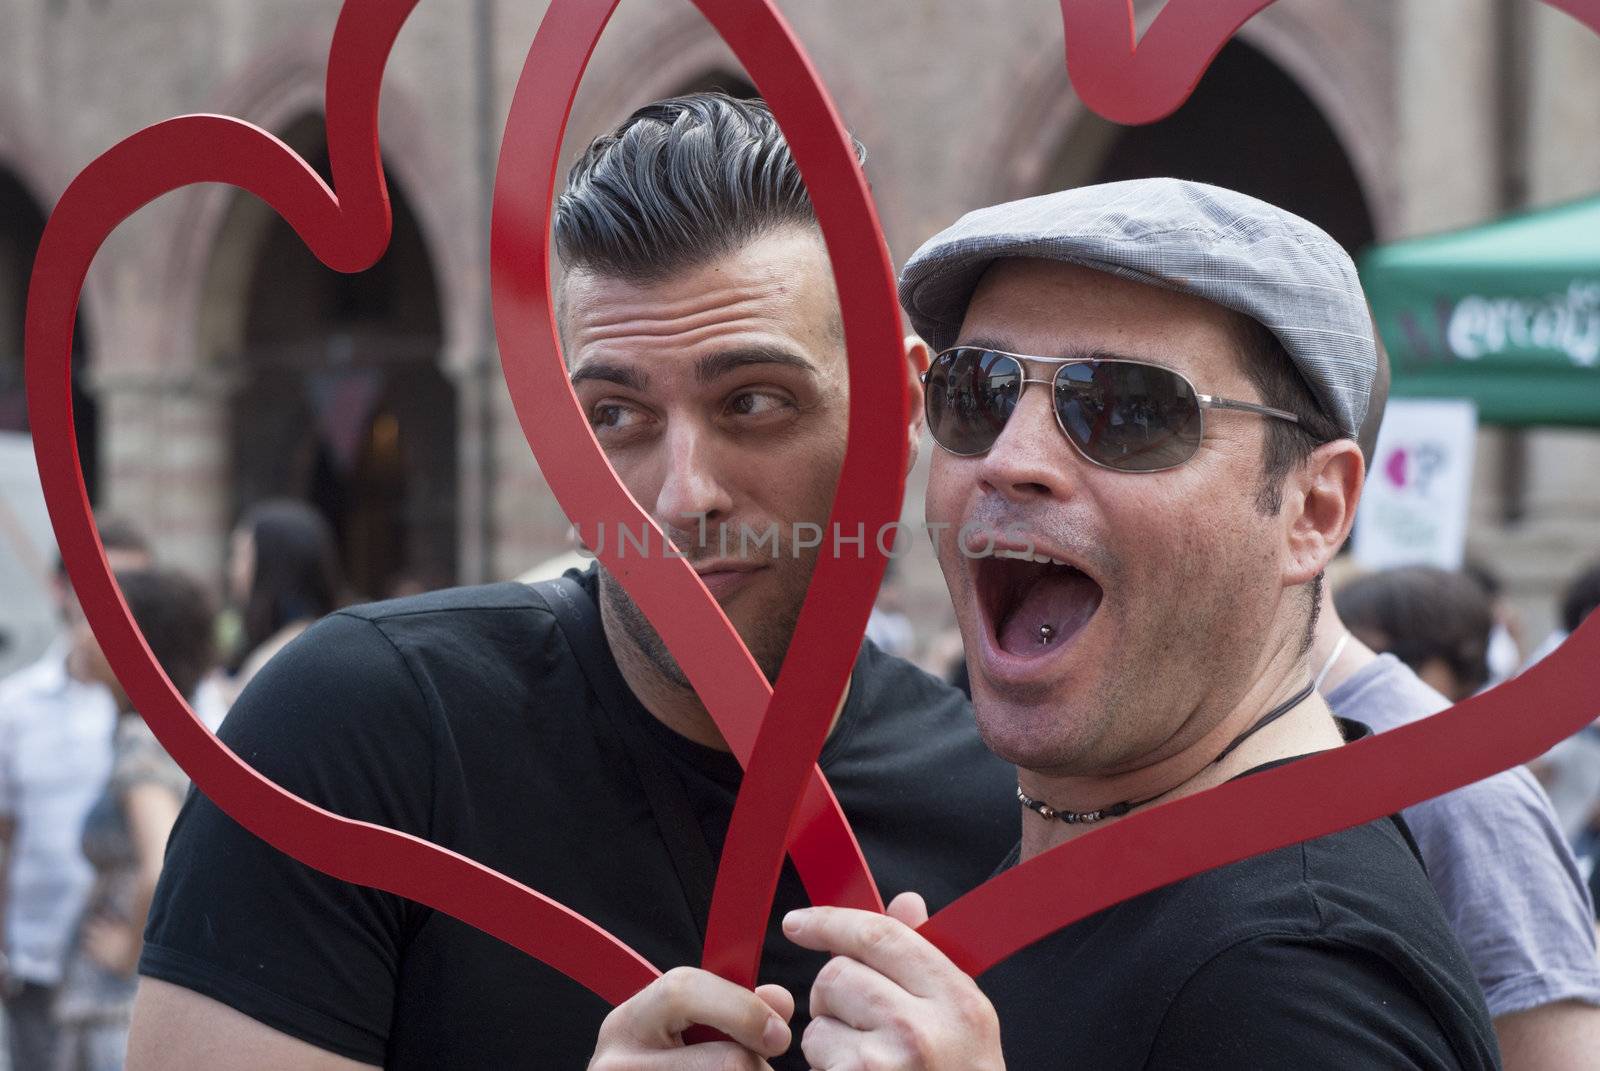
1495,855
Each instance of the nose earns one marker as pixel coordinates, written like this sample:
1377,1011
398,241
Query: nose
1032,458
693,495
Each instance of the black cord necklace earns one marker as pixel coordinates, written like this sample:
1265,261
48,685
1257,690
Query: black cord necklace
1117,810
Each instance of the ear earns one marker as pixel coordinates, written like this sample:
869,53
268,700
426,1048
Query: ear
1319,508
917,358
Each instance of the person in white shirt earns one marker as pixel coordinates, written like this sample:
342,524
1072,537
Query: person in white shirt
55,755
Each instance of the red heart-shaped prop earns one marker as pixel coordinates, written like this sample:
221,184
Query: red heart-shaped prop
782,790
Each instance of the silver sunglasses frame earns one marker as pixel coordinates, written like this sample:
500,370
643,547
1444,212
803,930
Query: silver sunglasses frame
1206,401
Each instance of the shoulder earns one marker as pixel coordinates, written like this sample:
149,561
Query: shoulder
387,670
446,668
1321,1000
494,625
1512,891
1352,886
1483,820
360,645
1384,694
487,599
1338,941
1328,954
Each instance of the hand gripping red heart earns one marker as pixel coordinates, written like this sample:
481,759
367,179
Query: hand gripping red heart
350,230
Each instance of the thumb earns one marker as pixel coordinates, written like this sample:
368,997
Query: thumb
909,908
777,998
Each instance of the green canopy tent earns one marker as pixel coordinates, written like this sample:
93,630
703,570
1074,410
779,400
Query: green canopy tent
1507,315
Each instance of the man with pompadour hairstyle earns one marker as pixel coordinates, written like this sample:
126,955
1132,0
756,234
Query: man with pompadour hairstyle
545,730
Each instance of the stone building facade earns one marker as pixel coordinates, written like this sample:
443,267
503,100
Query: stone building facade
221,363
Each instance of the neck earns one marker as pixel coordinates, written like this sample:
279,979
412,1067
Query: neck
1351,660
674,705
1306,728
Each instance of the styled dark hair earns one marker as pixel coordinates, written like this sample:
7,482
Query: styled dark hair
1423,613
297,575
681,182
1581,598
176,616
1272,372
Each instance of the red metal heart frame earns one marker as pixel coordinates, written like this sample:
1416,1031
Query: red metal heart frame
1123,80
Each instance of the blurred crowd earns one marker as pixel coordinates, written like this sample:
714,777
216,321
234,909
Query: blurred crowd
1460,635
88,796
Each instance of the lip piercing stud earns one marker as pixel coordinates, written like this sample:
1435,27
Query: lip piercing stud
1046,633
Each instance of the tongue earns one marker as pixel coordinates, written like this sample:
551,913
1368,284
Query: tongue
1049,612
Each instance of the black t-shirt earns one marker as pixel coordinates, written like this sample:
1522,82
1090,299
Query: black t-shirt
463,717
1332,954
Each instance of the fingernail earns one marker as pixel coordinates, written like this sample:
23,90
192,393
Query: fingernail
776,1036
793,921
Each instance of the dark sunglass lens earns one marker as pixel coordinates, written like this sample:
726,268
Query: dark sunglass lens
1128,416
970,395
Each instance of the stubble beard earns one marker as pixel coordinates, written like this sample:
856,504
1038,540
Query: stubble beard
767,639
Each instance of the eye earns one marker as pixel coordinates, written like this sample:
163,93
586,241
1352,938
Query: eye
615,416
758,403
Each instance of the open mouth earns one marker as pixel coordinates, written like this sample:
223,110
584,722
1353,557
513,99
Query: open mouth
1033,604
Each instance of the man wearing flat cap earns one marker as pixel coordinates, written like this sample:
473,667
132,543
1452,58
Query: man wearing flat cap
1146,397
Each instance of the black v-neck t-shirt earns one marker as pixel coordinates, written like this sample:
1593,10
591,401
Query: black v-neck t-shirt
463,717
1331,955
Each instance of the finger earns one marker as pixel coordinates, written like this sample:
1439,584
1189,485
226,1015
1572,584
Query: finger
686,996
857,995
886,945
828,1043
714,1056
778,999
909,908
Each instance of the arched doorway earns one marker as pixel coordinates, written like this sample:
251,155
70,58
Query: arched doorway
341,401
21,226
1249,126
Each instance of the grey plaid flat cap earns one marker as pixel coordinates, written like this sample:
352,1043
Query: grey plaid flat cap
1217,244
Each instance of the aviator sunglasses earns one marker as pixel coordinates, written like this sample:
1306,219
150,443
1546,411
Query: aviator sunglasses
1123,415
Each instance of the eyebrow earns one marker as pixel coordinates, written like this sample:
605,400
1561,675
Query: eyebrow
607,372
707,370
714,367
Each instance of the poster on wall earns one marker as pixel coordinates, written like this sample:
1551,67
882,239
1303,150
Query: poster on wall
1414,508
